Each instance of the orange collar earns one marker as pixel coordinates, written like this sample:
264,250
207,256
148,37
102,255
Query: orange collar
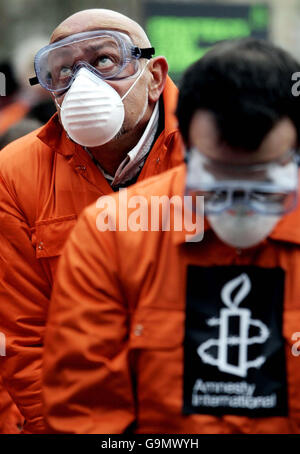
170,97
55,137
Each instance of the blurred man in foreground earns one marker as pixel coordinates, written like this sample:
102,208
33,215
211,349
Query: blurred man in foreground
115,125
151,333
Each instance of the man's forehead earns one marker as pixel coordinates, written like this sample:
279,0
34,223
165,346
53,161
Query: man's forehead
67,29
204,135
98,19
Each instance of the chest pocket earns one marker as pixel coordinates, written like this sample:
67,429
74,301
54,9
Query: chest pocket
49,236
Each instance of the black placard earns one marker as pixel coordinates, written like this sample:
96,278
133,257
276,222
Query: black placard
234,357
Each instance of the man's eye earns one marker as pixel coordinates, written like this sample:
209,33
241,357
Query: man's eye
65,71
48,77
268,197
105,62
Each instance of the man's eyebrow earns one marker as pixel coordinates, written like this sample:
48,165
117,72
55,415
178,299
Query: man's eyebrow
91,46
63,36
100,45
67,49
60,52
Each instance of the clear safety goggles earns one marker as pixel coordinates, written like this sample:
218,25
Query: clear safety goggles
107,53
269,188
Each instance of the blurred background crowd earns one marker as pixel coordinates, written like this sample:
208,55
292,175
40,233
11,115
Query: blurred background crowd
182,30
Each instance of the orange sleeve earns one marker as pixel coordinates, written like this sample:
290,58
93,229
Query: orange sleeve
86,381
24,296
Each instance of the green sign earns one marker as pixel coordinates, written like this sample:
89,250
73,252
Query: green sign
183,33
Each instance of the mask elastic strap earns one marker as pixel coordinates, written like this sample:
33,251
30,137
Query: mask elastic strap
57,105
136,80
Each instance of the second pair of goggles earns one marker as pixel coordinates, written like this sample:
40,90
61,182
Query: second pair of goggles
269,188
109,54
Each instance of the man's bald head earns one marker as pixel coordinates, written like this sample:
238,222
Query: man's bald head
97,19
140,102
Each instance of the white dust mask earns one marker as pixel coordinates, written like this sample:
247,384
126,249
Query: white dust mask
92,112
241,229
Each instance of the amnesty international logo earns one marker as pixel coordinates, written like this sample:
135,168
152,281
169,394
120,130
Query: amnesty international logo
234,349
243,339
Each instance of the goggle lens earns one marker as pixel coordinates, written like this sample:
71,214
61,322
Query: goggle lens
110,55
275,193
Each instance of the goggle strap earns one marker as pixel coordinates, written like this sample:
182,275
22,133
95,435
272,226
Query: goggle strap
33,81
143,53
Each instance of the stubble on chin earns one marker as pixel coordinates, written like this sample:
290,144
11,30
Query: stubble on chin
119,134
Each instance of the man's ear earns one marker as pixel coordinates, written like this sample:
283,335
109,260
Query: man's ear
158,70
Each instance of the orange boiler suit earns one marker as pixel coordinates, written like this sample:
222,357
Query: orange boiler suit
150,333
46,180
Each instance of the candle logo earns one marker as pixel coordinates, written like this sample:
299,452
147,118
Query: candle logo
242,286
